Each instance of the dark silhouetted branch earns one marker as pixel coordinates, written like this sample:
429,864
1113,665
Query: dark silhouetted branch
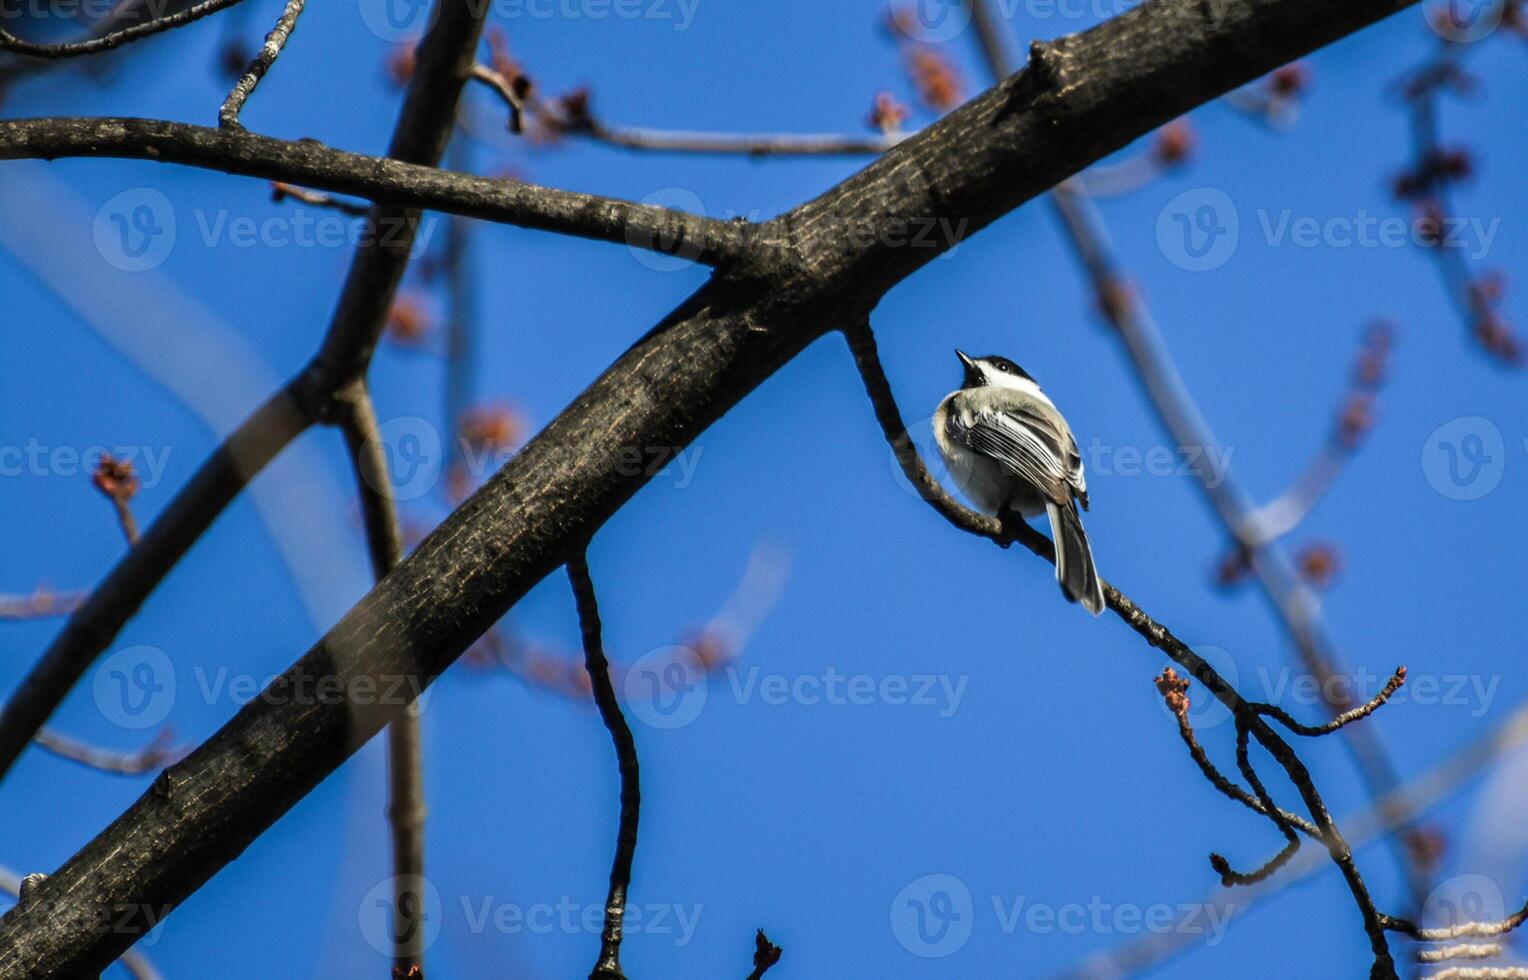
390,181
95,45
608,967
228,114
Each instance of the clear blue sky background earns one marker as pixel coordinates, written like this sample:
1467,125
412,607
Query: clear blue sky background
1057,778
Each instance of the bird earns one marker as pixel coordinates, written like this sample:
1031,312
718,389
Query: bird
1010,450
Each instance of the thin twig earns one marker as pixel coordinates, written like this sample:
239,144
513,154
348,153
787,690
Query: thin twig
10,42
228,115
1461,930
511,90
156,755
1463,951
280,191
41,604
1346,718
608,967
1292,842
406,809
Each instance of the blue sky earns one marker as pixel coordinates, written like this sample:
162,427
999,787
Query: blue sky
1010,744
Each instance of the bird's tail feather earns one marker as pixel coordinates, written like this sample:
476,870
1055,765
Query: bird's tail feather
1074,559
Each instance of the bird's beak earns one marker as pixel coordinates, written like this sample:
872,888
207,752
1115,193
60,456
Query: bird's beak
965,359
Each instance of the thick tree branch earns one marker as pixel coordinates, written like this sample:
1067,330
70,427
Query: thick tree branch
1080,98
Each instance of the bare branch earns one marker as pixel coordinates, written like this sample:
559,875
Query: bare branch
41,604
10,42
1174,690
156,755
318,199
387,181
228,115
608,967
406,809
1346,718
1460,930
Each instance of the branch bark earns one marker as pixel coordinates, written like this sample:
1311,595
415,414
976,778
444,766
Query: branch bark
397,181
822,265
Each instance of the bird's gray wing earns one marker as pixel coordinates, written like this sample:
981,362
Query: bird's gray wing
1033,452
1054,431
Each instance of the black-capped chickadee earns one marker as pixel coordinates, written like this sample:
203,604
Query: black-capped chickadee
1010,450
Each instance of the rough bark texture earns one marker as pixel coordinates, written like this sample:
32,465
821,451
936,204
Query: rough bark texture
820,266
